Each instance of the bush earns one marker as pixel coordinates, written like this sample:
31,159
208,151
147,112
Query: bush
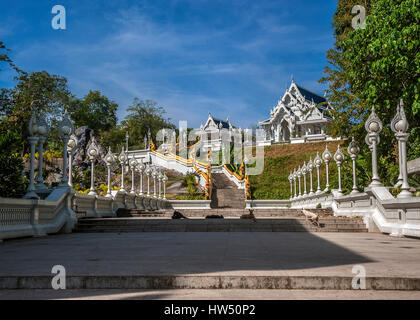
12,182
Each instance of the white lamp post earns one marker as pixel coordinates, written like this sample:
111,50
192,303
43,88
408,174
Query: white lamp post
92,153
373,126
353,150
291,184
109,160
123,158
154,176
133,165
33,139
126,141
299,175
71,146
400,126
65,130
164,179
160,177
310,169
141,168
339,158
304,171
326,156
148,174
294,180
43,130
318,163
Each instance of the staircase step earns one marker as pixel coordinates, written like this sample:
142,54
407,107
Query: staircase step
219,225
118,281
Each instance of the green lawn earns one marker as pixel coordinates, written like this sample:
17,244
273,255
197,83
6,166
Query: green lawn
279,160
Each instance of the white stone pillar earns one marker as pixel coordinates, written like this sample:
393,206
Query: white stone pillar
304,171
141,169
92,154
326,156
43,130
339,158
291,184
373,126
311,169
133,164
123,158
109,160
30,191
399,125
65,130
71,145
353,151
154,176
318,163
164,180
299,175
148,173
160,177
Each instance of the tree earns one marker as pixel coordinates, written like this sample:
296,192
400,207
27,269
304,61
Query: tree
94,111
376,65
385,64
12,182
144,115
39,90
5,58
113,138
347,108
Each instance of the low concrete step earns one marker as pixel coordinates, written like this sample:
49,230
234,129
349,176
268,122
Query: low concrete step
259,213
219,225
208,282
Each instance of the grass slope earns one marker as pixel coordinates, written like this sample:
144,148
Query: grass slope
279,160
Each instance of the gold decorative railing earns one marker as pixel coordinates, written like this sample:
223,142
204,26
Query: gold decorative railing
241,176
206,175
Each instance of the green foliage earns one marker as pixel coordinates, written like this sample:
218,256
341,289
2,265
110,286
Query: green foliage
4,57
377,66
347,108
113,138
280,160
45,92
95,111
12,182
144,115
191,184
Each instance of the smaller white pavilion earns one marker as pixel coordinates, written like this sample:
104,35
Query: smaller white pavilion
300,116
213,129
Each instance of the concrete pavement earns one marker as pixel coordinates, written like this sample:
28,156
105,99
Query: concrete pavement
210,294
228,260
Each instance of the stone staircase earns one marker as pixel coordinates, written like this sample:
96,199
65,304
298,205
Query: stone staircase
225,212
280,224
225,194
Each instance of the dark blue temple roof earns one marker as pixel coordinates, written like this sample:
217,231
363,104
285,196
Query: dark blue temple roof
311,96
225,124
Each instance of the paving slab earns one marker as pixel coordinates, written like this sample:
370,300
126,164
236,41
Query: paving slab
201,294
241,259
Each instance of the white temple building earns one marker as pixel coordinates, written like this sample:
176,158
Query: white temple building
300,116
213,129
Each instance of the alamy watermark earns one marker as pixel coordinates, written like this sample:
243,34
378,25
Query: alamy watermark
359,20
218,145
59,20
59,280
359,280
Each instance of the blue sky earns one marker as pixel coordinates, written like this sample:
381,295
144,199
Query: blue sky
230,58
